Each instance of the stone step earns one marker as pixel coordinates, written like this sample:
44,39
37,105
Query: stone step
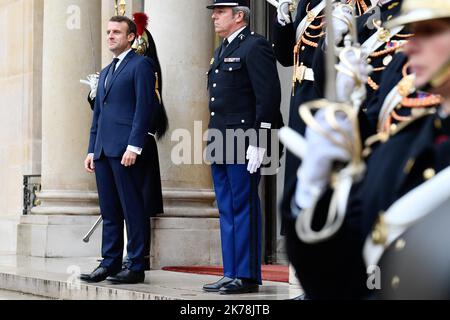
57,279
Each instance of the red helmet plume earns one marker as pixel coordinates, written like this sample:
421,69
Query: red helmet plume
141,20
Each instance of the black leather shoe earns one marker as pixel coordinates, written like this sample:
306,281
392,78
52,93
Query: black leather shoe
215,287
240,286
98,275
126,276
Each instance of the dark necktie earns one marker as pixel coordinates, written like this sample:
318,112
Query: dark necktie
225,44
111,71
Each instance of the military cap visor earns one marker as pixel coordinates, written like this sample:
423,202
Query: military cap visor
420,10
227,3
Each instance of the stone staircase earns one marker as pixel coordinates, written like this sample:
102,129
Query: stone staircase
58,279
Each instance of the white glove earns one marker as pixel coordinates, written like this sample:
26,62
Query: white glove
353,73
342,19
92,81
284,14
255,157
314,173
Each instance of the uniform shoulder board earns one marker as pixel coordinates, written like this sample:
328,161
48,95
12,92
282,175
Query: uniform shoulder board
256,35
417,115
383,137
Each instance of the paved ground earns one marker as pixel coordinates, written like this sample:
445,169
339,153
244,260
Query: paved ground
57,278
9,295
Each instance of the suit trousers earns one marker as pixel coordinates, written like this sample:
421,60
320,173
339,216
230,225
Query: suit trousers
240,220
121,198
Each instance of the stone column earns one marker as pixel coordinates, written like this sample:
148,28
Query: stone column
188,232
71,50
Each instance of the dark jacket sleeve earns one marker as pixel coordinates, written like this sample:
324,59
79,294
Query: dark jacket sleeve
94,126
263,74
284,43
91,102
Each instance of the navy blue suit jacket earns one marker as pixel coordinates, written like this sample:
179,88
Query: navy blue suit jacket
124,109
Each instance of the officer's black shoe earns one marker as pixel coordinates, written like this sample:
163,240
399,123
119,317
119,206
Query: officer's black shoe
215,287
240,286
98,275
127,276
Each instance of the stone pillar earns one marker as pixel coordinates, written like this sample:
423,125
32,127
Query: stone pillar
188,233
20,109
71,50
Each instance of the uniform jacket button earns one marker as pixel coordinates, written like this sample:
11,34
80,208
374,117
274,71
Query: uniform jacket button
217,70
429,174
213,99
213,114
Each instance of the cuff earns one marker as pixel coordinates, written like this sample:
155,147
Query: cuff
134,149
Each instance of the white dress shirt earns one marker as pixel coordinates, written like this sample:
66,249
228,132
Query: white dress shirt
235,34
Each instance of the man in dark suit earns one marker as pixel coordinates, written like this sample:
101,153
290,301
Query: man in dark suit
245,99
124,107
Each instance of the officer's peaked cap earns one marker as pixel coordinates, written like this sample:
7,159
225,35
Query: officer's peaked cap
228,3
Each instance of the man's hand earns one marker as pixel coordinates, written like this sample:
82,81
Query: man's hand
129,159
92,81
315,171
255,158
89,163
342,22
353,72
284,15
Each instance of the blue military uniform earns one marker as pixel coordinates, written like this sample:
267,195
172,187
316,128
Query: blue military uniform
300,52
284,44
335,268
245,95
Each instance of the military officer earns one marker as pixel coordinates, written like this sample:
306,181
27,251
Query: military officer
245,96
396,165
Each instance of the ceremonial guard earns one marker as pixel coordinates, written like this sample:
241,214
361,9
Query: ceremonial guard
295,44
392,101
245,96
345,219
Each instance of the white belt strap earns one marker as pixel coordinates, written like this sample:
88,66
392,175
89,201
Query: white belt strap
408,210
306,22
373,4
394,97
373,43
309,74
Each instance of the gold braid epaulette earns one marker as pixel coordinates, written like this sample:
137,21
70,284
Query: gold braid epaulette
396,128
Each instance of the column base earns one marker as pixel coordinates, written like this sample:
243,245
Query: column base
185,242
8,234
77,203
57,236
